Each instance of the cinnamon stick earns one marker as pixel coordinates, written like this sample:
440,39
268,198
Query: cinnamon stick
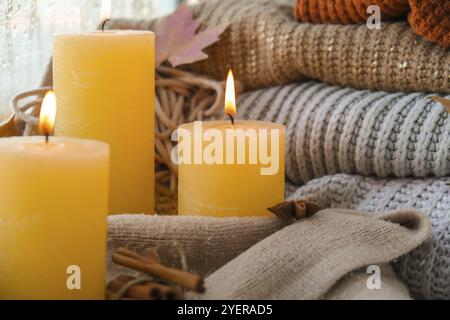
131,254
137,262
144,291
152,254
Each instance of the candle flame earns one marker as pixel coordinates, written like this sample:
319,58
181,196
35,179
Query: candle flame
48,114
230,95
106,11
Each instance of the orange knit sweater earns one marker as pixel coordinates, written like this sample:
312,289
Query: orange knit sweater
429,18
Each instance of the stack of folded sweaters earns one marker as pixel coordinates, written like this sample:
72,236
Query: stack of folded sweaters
362,132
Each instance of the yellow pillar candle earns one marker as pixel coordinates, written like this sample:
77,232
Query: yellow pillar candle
230,168
53,218
105,82
230,189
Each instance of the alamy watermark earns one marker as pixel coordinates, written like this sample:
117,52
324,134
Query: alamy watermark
73,281
229,146
374,20
374,280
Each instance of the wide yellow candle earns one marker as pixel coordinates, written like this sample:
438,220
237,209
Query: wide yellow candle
105,82
53,218
230,170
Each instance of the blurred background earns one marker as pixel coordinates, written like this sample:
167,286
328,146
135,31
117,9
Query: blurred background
26,28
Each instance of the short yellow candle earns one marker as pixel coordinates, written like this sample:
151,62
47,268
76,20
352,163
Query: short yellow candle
230,168
221,189
53,214
105,82
53,218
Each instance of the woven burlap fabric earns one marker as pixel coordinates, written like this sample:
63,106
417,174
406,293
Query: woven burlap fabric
301,261
331,129
207,243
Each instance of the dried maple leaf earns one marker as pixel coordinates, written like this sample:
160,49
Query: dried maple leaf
177,41
443,101
8,128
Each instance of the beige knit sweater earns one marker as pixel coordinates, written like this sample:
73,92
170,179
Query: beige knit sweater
266,46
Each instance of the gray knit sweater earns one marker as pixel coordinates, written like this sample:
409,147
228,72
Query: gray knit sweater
332,129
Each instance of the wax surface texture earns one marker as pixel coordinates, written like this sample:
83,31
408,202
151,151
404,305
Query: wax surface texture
104,83
53,215
231,189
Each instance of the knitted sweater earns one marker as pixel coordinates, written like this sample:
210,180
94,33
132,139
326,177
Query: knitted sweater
201,240
341,130
266,46
426,270
429,18
347,12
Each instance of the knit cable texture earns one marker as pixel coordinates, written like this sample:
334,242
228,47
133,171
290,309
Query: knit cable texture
431,19
331,129
266,46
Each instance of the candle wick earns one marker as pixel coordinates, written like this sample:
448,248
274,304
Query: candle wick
231,118
104,24
46,138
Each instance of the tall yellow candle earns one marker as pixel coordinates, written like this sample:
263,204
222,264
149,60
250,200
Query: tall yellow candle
53,218
104,82
230,168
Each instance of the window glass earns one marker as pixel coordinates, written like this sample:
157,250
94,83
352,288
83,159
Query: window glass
26,28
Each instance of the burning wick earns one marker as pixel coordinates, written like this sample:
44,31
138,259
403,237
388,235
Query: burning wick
105,13
47,116
231,118
230,97
104,24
